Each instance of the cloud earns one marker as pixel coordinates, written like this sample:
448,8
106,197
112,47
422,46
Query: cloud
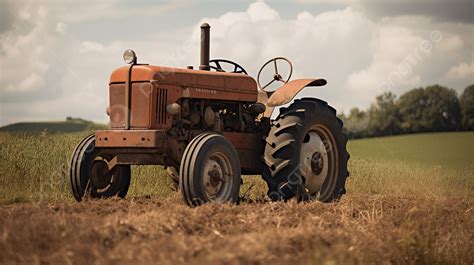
28,84
113,9
359,56
49,72
396,51
90,46
462,71
6,17
36,54
451,11
452,44
259,11
326,45
24,40
61,27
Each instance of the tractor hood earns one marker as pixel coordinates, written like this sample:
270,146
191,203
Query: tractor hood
186,77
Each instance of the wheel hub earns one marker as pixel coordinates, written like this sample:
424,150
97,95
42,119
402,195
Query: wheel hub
317,163
313,162
213,177
100,174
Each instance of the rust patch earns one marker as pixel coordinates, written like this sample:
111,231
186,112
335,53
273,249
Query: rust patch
205,84
131,138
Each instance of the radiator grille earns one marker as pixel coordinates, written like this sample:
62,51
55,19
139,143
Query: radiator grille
161,106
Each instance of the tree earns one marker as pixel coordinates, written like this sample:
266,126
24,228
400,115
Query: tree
384,115
411,105
434,108
443,108
467,108
355,124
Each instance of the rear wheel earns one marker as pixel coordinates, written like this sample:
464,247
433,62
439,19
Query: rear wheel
210,171
90,174
306,154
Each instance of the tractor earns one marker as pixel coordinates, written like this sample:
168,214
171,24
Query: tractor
208,127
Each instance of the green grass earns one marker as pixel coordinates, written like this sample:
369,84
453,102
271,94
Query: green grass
437,164
437,150
35,167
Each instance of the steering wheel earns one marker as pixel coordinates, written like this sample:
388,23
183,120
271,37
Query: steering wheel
217,66
276,76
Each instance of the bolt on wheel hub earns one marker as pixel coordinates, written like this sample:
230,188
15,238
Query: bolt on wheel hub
317,163
313,161
213,177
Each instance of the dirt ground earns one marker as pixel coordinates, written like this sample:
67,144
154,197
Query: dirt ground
369,229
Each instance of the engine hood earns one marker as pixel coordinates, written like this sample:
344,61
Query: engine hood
186,77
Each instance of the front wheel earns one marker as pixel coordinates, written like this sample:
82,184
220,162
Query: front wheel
305,153
90,174
210,171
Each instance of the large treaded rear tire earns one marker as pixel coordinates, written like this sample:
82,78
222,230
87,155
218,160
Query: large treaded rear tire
210,171
284,144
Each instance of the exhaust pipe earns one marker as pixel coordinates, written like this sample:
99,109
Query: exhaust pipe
205,46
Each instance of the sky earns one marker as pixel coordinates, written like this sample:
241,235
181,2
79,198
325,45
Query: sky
56,56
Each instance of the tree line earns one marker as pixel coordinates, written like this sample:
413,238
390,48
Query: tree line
430,109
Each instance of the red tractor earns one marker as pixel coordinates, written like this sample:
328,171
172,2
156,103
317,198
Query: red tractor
208,127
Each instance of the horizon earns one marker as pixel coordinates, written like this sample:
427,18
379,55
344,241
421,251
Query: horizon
69,118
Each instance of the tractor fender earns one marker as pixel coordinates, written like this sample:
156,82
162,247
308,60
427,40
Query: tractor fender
288,91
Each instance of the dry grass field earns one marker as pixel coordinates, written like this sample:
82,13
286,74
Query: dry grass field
410,200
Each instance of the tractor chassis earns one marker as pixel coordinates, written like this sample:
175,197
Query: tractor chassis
156,147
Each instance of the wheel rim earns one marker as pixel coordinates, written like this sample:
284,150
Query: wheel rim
102,180
101,176
217,177
318,159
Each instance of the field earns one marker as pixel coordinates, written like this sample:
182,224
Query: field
409,200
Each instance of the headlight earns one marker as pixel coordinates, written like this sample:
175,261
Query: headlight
173,109
130,57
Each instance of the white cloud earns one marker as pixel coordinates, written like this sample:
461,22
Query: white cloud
396,51
90,46
260,11
79,12
28,84
22,52
61,27
462,71
327,1
49,72
452,44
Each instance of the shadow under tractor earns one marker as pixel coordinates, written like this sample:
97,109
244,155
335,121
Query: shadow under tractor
210,126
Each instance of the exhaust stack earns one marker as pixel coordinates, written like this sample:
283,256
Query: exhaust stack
205,46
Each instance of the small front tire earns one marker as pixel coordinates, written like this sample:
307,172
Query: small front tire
210,171
90,175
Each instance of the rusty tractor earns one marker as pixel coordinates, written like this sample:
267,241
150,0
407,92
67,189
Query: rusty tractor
208,127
